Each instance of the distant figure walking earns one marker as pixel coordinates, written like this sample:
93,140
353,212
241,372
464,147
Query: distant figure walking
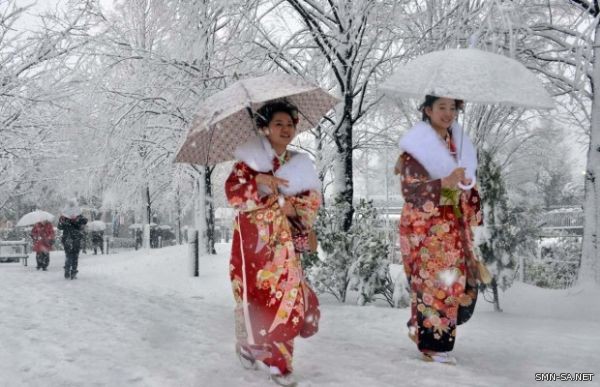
98,241
42,235
71,223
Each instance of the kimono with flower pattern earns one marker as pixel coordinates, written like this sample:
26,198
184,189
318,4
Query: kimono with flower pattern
276,291
437,250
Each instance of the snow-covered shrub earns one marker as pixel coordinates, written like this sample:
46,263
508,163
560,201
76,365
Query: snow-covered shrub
309,259
559,263
357,259
331,274
401,296
508,229
371,265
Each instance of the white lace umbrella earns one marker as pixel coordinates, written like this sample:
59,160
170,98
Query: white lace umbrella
224,120
96,225
472,75
35,217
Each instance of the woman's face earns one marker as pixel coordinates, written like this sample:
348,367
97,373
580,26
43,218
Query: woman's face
442,113
281,130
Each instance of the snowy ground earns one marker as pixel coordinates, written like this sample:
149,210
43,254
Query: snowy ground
138,319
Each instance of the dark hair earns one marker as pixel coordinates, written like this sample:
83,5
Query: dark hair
265,113
430,99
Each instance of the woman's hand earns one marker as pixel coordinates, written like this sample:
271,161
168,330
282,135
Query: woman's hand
271,181
452,180
398,166
288,209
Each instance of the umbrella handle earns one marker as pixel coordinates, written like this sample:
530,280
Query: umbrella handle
466,187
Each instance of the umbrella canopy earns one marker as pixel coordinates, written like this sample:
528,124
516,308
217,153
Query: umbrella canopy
35,217
96,225
223,121
471,75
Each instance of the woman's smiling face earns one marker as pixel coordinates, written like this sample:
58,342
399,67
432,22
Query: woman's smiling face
442,113
281,129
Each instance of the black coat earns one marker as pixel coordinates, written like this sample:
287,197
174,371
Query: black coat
72,235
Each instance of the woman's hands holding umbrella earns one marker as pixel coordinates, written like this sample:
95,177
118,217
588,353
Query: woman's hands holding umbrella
457,176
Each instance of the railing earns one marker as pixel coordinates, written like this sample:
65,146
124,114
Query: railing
14,250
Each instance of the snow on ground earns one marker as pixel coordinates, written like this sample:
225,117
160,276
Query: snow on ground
139,319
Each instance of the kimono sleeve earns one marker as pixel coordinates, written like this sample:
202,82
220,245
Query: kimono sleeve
307,206
241,188
417,187
471,208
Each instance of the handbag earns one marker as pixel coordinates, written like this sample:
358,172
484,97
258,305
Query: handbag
312,314
483,274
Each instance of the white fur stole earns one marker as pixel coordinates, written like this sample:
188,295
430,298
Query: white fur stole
299,170
425,145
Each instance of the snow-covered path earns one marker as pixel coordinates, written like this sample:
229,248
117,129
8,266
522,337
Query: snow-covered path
96,330
138,319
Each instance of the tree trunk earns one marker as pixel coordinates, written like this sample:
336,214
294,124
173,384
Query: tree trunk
210,215
148,215
494,285
590,267
178,204
344,184
322,169
200,212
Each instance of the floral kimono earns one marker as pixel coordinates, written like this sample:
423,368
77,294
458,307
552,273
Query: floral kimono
274,303
435,236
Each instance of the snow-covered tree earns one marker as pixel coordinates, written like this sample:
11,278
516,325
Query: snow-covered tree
354,40
36,83
560,41
156,60
499,239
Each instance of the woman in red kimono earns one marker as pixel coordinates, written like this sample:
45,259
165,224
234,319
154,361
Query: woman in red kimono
436,240
276,193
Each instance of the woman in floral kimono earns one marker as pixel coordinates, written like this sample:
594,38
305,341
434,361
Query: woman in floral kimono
276,193
436,240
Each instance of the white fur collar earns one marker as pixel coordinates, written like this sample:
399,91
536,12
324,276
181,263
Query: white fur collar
299,170
425,145
257,153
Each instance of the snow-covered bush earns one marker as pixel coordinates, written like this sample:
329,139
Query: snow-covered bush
508,229
401,296
559,263
371,265
357,259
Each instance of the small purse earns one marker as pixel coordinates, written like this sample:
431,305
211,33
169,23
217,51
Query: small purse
483,274
312,314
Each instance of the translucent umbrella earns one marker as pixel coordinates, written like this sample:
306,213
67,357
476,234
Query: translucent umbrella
35,217
472,75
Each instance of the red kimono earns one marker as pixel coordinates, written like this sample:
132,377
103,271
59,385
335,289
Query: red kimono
437,250
272,309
